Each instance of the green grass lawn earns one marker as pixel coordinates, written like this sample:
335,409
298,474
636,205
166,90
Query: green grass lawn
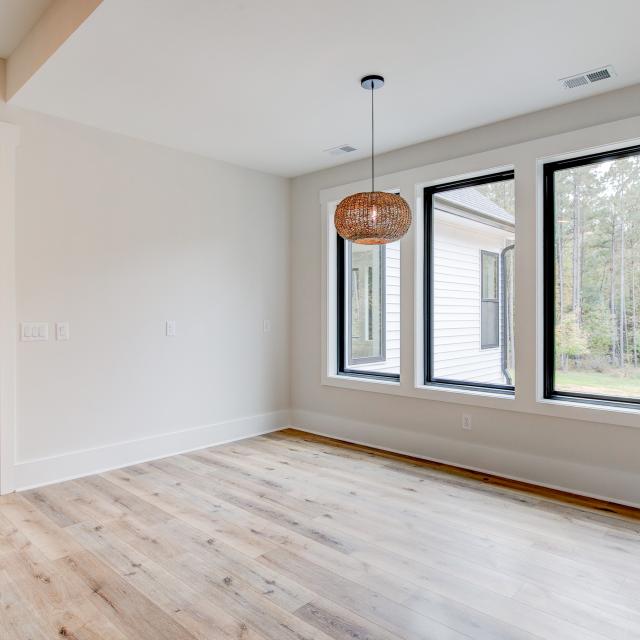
601,383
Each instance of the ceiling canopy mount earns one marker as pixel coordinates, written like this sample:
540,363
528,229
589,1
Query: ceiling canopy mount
372,82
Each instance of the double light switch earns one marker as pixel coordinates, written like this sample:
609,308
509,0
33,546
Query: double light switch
31,331
39,331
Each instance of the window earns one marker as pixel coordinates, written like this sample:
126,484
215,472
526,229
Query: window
468,279
369,309
592,278
490,304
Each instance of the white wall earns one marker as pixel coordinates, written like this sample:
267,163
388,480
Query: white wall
116,236
597,458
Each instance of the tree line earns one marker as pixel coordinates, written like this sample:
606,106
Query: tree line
597,252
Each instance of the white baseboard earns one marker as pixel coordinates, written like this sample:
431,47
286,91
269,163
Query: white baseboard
582,479
586,480
29,474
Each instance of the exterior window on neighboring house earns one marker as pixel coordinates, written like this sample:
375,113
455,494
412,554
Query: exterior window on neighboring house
369,309
468,282
592,278
489,301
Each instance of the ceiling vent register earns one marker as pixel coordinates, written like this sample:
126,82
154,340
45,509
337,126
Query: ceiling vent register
588,77
341,150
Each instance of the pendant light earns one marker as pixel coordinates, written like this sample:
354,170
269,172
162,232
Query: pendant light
372,217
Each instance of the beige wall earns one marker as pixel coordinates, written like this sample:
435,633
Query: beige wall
591,457
116,236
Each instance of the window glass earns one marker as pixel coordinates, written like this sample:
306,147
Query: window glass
594,203
470,236
489,275
490,305
367,304
370,322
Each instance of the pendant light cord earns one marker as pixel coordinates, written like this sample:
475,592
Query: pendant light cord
372,149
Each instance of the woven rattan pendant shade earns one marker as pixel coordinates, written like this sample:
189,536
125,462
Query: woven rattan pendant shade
373,217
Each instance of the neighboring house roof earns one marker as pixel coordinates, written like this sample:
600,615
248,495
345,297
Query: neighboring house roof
472,201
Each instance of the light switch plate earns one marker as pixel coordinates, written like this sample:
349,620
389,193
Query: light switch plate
62,331
171,328
266,326
34,331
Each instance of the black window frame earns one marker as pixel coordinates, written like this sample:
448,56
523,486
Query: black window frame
427,279
343,267
496,256
549,276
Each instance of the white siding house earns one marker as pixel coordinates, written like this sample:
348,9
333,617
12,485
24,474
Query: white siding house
391,363
465,224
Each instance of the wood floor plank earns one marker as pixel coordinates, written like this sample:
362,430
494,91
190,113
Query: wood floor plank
210,514
296,537
386,613
583,611
175,597
18,620
53,502
52,540
132,612
340,623
243,599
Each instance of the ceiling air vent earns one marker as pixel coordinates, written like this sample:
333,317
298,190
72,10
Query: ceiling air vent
601,74
588,77
341,150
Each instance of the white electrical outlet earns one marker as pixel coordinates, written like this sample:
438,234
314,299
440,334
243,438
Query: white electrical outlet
34,331
62,331
171,328
466,421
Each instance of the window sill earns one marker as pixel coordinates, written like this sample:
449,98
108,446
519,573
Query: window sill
356,381
437,393
575,410
467,391
549,407
368,375
579,404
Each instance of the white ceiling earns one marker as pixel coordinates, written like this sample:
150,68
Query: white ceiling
16,19
271,84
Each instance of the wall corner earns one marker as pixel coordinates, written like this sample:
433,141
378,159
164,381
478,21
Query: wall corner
9,138
3,80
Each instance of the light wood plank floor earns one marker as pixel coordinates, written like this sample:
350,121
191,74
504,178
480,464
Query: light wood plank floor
291,537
